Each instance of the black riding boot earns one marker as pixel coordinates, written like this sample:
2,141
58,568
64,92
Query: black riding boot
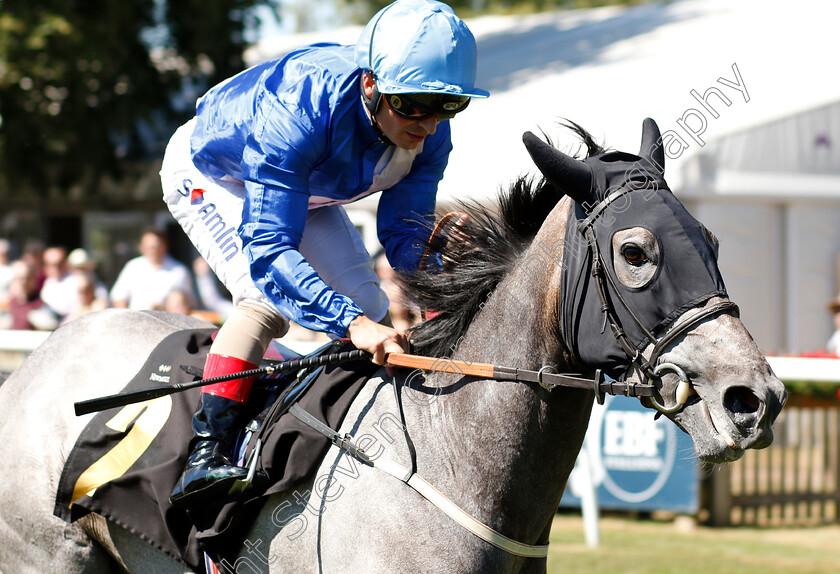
209,472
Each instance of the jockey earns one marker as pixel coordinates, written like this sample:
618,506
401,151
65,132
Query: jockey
257,179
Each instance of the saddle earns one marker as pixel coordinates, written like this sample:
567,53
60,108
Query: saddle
126,461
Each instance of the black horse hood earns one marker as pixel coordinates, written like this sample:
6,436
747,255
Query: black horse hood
616,191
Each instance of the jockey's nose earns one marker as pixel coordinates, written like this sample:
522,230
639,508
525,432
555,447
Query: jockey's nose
430,123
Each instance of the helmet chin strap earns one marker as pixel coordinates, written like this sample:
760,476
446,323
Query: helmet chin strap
372,105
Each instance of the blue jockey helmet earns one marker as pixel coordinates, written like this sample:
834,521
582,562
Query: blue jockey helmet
419,46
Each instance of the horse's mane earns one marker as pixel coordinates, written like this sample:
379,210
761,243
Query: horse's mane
477,255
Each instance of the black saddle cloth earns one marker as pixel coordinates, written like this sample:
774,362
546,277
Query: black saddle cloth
157,434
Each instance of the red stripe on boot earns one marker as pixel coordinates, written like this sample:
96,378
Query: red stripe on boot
219,365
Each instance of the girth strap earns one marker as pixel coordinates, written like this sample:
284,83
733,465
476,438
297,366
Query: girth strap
343,442
426,490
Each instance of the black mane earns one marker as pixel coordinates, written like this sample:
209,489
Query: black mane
474,267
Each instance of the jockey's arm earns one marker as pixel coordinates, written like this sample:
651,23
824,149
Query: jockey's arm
282,273
405,214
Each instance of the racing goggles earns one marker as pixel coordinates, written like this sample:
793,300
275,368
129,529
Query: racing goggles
422,105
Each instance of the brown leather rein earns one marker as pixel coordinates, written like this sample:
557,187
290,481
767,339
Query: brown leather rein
547,377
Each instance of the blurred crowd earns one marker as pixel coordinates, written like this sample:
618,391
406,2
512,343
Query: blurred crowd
47,286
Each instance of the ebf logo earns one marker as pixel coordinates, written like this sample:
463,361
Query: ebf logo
635,462
637,452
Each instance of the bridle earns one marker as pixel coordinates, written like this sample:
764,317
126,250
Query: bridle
649,366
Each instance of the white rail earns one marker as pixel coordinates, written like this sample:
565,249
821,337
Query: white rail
811,369
22,341
823,370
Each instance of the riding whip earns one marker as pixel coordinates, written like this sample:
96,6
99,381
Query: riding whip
122,399
543,377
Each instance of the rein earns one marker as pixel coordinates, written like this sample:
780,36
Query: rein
543,377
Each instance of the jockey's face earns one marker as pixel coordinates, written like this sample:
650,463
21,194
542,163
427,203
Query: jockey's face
404,132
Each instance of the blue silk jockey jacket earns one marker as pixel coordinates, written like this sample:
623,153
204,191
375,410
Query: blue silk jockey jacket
295,131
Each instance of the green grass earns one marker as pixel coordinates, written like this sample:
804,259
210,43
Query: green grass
631,546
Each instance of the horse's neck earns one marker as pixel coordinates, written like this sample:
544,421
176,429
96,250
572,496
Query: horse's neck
506,448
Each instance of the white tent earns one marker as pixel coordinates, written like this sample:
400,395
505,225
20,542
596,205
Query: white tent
772,195
609,68
702,69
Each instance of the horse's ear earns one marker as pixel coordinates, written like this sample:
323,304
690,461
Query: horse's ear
652,148
567,173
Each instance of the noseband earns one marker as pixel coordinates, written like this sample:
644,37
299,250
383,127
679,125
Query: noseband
648,366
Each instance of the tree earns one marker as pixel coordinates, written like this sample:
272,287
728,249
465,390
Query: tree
89,85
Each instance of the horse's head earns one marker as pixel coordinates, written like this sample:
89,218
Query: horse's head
643,300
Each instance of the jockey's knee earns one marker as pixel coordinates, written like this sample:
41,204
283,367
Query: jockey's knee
248,331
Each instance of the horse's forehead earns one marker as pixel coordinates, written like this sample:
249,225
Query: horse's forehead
614,171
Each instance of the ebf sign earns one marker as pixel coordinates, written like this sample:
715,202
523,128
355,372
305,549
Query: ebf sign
636,462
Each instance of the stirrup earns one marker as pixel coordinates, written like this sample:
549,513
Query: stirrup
243,484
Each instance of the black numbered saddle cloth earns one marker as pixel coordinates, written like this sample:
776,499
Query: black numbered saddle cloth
127,460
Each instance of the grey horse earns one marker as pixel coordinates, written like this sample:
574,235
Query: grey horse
499,450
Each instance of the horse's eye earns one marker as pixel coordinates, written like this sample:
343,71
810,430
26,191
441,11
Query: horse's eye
633,254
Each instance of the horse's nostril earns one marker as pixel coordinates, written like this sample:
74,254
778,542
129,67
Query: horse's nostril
741,400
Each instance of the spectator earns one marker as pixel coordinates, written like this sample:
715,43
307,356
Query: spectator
33,254
80,262
59,290
145,281
179,302
5,280
26,309
833,345
5,266
87,300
